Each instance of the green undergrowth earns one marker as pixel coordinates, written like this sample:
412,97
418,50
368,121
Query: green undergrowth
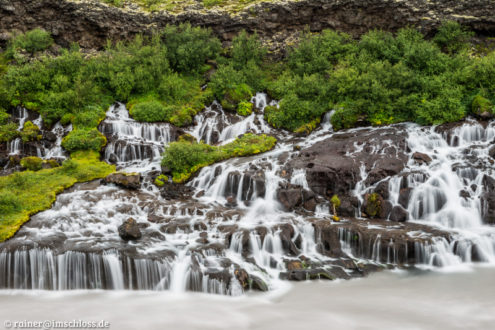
380,79
186,156
160,77
23,194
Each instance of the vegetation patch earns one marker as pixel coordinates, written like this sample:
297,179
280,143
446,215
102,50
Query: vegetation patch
186,156
25,193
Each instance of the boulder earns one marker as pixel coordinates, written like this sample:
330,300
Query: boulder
372,205
421,158
398,214
125,180
129,230
333,166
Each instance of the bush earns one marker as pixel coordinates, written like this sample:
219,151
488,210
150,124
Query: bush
32,163
247,48
452,37
233,96
151,111
84,139
318,53
31,41
189,47
482,106
30,132
245,108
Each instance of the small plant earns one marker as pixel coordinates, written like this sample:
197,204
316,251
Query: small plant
335,201
31,41
84,139
161,180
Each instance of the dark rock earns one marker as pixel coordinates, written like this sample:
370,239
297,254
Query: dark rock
398,214
488,200
421,158
333,165
491,151
404,195
49,136
125,180
290,198
129,230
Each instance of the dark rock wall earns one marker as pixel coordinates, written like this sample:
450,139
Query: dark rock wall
91,23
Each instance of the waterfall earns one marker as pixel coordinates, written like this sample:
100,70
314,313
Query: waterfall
231,233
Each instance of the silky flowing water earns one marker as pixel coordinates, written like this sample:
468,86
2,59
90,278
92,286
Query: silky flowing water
75,245
389,300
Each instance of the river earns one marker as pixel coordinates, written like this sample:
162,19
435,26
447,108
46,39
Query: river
463,299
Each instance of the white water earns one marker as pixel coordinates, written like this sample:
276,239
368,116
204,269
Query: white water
84,222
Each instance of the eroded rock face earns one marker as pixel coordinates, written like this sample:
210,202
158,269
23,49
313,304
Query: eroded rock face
91,23
125,180
333,166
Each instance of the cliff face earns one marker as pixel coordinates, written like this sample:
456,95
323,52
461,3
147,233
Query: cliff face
91,23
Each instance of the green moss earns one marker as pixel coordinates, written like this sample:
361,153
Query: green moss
184,157
32,163
26,193
245,108
373,205
161,180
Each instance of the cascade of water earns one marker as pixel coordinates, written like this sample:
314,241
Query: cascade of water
134,146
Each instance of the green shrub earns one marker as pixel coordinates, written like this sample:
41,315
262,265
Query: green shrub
233,96
84,139
318,53
482,106
30,132
247,48
151,111
189,47
31,41
452,37
245,108
32,163
8,132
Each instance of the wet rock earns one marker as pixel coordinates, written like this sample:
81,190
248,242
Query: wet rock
294,265
398,214
125,180
404,195
307,274
231,201
290,198
333,166
258,284
129,230
488,200
421,158
49,136
491,151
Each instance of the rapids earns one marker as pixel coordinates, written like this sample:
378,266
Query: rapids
230,232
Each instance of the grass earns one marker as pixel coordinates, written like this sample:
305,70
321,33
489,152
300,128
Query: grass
26,193
186,156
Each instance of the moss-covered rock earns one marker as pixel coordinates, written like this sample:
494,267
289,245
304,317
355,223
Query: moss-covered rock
245,108
372,205
32,163
30,132
160,180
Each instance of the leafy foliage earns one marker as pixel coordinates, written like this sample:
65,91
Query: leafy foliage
32,163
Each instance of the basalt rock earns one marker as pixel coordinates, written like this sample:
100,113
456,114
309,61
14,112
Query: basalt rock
421,158
488,200
91,23
125,180
333,166
398,214
129,230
